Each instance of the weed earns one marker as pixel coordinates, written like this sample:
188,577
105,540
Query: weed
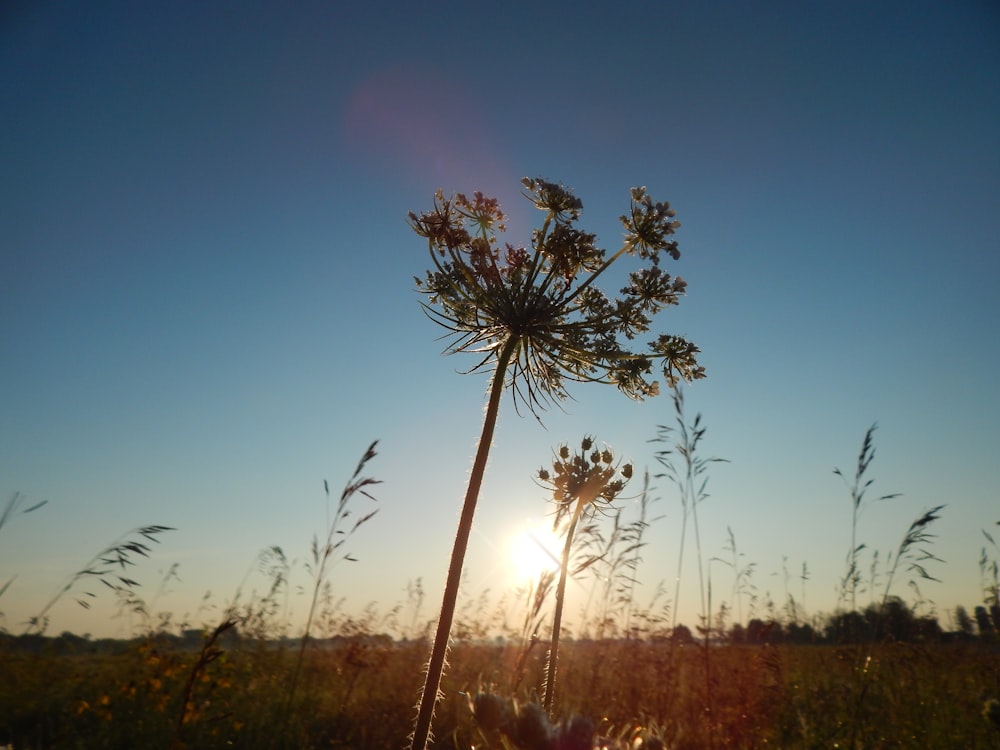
107,567
536,319
858,487
327,554
578,481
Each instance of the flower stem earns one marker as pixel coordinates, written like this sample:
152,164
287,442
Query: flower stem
435,667
553,660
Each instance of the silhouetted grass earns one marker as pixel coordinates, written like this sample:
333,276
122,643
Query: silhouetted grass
897,683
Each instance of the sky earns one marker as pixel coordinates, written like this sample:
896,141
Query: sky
208,307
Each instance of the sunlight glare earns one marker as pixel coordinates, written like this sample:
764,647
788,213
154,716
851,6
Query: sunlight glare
534,550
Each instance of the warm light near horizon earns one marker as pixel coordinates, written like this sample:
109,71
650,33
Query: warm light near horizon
534,550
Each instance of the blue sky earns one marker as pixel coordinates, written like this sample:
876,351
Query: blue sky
207,303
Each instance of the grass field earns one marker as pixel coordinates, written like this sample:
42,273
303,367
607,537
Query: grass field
879,677
359,691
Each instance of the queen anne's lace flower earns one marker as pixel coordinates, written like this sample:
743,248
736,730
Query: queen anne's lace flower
541,304
536,318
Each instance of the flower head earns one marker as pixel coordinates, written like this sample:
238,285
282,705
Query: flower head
587,476
541,306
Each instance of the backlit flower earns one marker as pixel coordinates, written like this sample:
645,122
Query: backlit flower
542,306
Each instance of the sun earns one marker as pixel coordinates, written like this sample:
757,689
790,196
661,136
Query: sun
534,550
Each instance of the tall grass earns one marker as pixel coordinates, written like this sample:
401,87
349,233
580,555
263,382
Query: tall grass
688,471
989,573
11,509
325,555
108,568
858,487
242,682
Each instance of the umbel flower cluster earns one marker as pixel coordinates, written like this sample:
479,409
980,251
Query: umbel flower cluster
536,318
585,476
577,482
537,312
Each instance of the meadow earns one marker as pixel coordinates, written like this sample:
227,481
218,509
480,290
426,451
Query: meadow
358,691
880,676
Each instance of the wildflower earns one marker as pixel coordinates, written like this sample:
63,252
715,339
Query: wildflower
536,319
539,312
584,477
577,482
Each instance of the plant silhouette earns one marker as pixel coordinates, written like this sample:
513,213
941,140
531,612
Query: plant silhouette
535,319
578,481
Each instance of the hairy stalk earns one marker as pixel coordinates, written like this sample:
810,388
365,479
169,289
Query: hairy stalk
578,482
439,651
535,320
553,659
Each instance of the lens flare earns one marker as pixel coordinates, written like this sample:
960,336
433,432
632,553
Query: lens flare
534,550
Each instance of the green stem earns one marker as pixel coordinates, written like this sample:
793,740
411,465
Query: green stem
435,667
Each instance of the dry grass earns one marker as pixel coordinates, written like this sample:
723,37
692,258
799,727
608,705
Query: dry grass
880,678
361,695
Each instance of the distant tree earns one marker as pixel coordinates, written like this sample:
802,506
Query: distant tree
927,629
800,632
761,632
983,622
963,622
893,620
737,634
682,634
847,627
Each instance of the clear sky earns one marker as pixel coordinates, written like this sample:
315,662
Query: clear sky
207,303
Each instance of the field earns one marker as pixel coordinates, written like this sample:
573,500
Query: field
881,676
359,691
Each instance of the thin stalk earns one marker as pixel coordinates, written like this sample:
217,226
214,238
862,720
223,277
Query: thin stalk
435,667
550,673
593,277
